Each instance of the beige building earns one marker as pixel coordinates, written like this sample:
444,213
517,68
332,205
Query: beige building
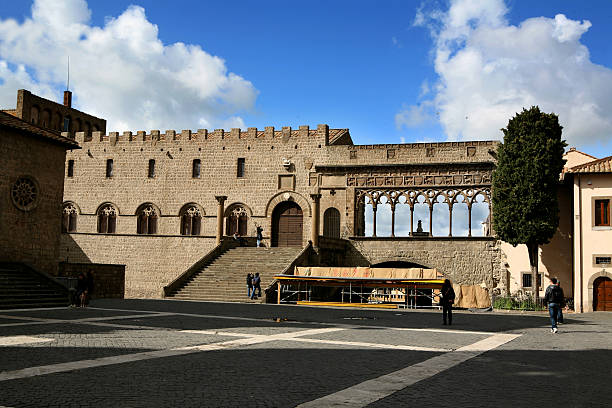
579,254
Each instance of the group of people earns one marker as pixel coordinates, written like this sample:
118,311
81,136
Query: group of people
84,289
253,285
243,242
555,299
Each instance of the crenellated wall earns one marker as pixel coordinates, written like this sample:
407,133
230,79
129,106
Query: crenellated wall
279,165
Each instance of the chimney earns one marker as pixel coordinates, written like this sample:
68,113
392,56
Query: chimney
68,99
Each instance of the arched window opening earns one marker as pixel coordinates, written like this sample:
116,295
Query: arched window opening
421,213
383,217
402,217
368,217
440,217
331,223
191,220
69,218
480,216
147,220
45,119
237,221
34,114
460,216
107,219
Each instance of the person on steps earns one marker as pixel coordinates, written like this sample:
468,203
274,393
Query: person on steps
249,280
256,285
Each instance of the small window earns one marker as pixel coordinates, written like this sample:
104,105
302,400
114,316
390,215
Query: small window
602,213
196,167
603,260
70,168
109,168
527,281
151,168
240,172
66,124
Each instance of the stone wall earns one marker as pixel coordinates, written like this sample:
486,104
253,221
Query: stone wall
280,165
31,236
109,280
151,261
466,261
50,115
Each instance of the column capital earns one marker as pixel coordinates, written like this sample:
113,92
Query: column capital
315,197
221,199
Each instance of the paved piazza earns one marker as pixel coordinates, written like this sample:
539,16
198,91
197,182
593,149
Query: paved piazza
152,353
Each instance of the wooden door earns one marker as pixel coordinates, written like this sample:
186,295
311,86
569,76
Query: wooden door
603,294
331,223
287,225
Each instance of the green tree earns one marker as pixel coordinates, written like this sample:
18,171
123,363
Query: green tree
525,181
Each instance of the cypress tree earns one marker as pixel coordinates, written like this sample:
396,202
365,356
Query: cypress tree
525,182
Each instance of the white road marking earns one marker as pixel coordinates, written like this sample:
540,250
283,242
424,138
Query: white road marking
145,313
373,345
85,320
326,341
370,391
17,340
148,355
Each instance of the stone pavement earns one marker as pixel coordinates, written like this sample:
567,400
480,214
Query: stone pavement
154,353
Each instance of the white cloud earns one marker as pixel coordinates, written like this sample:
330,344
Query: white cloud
121,71
489,70
414,115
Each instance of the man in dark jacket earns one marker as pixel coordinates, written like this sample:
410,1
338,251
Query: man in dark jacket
554,297
447,298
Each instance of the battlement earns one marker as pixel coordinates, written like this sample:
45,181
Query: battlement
329,136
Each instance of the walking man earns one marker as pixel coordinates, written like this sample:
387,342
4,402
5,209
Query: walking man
560,315
554,297
447,298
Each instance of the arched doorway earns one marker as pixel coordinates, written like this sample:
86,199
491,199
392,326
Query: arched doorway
287,222
602,298
331,223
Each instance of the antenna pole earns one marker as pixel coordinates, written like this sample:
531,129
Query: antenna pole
68,81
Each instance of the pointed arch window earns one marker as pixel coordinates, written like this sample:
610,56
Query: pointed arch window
69,217
191,220
107,219
147,220
237,221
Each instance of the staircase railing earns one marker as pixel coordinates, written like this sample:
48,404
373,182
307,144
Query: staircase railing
197,266
303,256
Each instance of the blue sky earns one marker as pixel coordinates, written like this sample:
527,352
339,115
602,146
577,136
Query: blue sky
390,71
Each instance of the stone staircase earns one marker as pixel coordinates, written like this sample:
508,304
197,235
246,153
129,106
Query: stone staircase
224,279
22,287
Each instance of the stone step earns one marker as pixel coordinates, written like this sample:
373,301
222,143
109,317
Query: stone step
225,278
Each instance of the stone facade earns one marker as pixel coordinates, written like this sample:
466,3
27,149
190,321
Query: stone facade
465,261
284,165
31,189
54,116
